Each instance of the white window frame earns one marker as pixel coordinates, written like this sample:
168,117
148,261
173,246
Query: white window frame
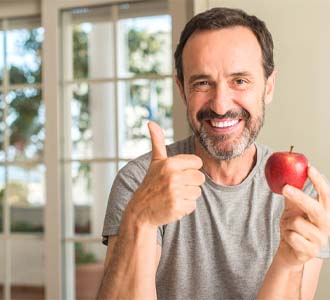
180,11
50,11
28,8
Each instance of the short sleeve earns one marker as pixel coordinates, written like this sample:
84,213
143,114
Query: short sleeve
124,186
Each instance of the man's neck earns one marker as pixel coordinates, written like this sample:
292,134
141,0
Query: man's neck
231,172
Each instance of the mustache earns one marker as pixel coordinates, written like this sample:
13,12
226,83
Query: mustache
209,114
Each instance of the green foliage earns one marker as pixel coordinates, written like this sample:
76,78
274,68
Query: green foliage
80,67
31,43
83,257
145,58
24,106
80,52
142,49
26,122
24,226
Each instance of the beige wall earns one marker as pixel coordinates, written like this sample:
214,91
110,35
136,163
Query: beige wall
300,112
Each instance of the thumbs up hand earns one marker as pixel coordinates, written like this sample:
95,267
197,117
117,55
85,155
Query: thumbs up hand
157,141
171,186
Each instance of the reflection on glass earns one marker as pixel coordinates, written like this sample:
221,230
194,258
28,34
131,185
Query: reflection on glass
2,128
91,31
2,197
144,45
89,261
24,54
26,197
26,118
143,100
92,122
1,56
27,269
91,184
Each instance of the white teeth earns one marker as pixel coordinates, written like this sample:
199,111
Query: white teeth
223,124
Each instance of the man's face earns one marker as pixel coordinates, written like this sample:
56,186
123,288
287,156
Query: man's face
225,89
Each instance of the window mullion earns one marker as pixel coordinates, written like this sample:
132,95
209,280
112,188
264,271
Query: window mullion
114,12
117,78
19,86
6,209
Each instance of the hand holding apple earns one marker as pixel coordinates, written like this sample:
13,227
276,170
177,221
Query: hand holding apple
286,168
305,223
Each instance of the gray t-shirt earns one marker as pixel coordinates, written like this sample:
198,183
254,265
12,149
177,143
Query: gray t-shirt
225,247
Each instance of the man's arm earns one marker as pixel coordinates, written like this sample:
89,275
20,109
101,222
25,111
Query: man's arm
310,278
168,192
131,263
287,282
305,228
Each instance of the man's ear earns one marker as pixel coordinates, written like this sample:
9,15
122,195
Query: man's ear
180,87
270,86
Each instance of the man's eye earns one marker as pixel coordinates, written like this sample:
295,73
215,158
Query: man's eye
203,83
201,86
240,81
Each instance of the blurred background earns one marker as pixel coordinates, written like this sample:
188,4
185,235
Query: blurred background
79,80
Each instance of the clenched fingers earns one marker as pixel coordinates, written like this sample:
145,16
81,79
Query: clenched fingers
184,161
313,209
302,247
192,177
191,192
307,230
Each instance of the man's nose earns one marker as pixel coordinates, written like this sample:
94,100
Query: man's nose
221,101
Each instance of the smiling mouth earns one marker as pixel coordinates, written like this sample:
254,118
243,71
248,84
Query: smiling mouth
227,123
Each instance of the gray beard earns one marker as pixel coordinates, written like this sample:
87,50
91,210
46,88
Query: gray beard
212,144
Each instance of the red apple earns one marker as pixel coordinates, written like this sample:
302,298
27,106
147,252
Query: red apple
286,168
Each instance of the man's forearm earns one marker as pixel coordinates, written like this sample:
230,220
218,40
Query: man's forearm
282,282
131,271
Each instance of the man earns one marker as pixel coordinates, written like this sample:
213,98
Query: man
196,219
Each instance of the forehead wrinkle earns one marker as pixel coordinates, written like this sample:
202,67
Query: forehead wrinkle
245,56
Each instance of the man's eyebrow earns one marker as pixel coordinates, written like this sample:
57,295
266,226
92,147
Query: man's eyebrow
197,77
242,73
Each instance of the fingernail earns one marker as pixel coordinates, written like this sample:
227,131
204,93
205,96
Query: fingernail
288,190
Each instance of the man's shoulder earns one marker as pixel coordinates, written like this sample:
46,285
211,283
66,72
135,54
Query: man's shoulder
265,149
263,153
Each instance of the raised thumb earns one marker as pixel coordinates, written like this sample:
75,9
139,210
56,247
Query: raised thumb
157,141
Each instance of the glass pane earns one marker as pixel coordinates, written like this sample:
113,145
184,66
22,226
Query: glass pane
144,46
26,118
1,56
2,128
87,37
26,196
2,197
24,53
89,124
90,188
89,261
27,269
143,100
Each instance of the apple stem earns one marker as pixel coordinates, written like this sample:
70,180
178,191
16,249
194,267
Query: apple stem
291,148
